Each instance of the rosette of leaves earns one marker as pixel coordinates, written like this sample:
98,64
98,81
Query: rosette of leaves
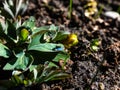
31,53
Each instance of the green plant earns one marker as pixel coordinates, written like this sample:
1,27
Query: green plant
95,44
32,54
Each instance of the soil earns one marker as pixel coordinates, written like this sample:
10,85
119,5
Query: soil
91,70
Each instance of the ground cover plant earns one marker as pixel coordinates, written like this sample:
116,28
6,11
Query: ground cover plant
31,54
91,64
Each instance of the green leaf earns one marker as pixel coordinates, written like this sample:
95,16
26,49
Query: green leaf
47,47
61,56
22,62
95,42
61,36
51,64
16,80
4,51
30,23
36,40
35,73
45,29
53,28
56,75
11,30
7,9
32,67
41,29
18,7
49,75
3,35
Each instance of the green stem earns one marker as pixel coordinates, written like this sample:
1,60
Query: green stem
70,9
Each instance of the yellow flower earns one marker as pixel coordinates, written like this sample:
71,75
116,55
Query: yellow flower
71,40
91,8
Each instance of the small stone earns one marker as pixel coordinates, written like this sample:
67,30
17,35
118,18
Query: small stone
101,86
112,14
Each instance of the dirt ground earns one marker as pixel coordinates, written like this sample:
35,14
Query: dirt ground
91,70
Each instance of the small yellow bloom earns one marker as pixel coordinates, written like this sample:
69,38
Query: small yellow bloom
71,40
91,8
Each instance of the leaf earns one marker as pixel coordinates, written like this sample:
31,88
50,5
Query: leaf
46,47
18,3
22,62
56,60
4,36
7,9
50,28
11,30
30,23
49,75
32,67
61,56
36,40
61,36
16,80
41,29
53,27
37,71
4,51
56,75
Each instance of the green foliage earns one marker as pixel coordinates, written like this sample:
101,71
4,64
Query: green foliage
12,8
4,51
36,52
95,44
31,53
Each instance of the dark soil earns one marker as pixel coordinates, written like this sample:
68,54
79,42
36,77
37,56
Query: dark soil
91,70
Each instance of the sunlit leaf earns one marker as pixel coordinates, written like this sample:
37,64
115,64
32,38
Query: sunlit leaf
61,36
4,51
30,23
46,47
7,8
61,56
22,62
53,27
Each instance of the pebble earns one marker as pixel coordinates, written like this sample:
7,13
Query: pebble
112,14
101,86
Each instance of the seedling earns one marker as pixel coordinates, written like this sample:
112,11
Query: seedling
95,44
